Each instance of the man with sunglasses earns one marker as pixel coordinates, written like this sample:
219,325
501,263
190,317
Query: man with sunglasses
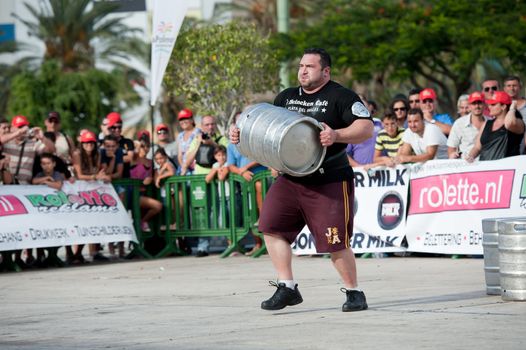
489,86
64,145
128,148
164,140
428,100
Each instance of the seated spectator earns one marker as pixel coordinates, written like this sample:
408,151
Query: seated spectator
465,129
48,176
428,99
423,139
388,141
501,136
462,106
141,169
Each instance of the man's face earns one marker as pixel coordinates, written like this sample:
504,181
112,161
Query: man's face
416,123
209,125
489,87
110,147
162,134
476,108
463,108
310,73
414,101
427,105
390,126
4,128
47,164
52,124
512,88
116,129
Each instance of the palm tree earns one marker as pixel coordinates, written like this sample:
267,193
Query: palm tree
69,29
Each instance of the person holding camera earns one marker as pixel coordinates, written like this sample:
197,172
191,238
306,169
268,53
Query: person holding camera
201,151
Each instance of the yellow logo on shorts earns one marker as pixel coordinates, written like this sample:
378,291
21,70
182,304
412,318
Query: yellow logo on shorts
332,235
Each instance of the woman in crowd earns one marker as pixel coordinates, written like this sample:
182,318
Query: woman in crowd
87,165
185,138
142,170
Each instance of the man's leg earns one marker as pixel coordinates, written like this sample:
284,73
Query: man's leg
345,264
281,255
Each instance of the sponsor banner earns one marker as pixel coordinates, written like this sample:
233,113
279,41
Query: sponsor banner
80,213
379,212
449,199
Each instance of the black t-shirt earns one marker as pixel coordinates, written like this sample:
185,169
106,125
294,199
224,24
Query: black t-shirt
500,143
336,106
126,145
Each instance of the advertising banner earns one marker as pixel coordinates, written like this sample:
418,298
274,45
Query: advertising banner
82,212
379,212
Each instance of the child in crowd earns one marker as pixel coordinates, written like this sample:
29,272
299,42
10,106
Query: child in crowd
166,168
48,176
219,168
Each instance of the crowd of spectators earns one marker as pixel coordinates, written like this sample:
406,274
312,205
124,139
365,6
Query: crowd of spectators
488,125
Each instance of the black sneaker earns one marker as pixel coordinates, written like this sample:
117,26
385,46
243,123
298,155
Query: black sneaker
355,300
201,254
284,296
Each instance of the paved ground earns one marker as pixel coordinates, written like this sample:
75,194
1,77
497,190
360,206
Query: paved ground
213,303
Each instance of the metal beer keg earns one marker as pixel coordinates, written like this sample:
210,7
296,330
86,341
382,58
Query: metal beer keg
281,139
512,259
490,245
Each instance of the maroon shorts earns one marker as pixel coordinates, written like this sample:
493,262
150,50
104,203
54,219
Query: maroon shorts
326,209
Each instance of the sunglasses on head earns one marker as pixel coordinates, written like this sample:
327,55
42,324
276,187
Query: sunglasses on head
399,109
488,88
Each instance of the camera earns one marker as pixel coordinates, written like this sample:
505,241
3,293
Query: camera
205,136
31,132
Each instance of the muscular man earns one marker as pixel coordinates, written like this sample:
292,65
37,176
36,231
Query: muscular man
324,199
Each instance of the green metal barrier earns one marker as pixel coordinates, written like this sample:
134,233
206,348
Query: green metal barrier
199,209
133,197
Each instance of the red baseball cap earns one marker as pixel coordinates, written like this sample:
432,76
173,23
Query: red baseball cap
476,97
142,133
499,97
185,114
19,121
427,93
161,127
113,118
88,136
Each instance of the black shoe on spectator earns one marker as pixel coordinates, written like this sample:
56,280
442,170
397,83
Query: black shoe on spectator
201,254
21,263
355,300
100,257
284,296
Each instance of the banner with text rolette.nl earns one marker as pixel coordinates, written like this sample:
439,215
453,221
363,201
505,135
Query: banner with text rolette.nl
447,201
80,213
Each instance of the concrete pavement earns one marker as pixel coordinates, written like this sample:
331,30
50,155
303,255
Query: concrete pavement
213,303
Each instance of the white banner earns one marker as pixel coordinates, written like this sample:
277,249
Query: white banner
380,202
449,199
82,212
168,16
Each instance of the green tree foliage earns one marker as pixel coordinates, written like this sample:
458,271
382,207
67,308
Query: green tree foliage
218,68
426,43
82,98
69,28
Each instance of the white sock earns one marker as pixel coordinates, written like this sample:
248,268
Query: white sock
355,288
288,283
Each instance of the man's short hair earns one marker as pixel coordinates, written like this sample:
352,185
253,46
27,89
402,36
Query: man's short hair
513,78
48,156
416,111
415,91
325,58
111,137
389,116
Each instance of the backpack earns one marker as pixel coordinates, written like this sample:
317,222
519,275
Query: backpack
205,154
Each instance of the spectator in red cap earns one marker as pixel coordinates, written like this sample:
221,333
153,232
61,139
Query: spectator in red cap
465,129
500,137
428,99
184,139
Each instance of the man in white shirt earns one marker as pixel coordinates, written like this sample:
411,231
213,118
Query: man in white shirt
424,139
465,129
